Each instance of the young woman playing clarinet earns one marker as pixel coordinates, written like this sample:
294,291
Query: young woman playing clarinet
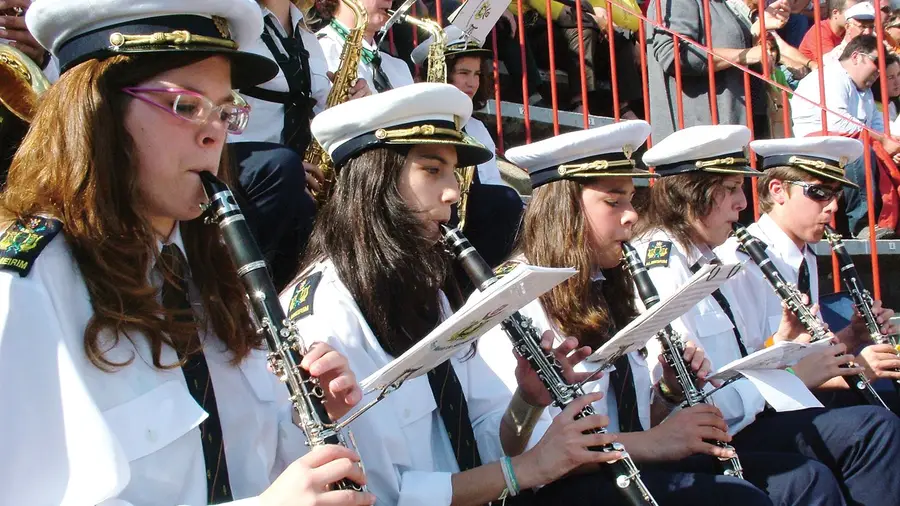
130,369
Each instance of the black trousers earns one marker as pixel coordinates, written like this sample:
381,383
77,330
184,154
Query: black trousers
858,444
771,479
277,208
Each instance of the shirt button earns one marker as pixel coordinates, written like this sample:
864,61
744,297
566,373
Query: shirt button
151,435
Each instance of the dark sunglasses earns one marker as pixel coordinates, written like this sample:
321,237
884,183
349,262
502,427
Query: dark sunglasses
818,192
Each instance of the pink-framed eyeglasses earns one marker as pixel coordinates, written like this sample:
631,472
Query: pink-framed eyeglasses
194,107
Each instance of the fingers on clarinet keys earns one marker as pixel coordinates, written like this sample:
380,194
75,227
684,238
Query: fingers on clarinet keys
692,431
308,479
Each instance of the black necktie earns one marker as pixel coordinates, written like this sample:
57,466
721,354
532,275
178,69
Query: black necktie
196,374
294,64
622,382
382,83
803,279
723,303
451,401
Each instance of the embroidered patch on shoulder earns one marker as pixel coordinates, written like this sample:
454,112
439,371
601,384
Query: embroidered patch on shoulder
302,301
505,268
658,254
22,242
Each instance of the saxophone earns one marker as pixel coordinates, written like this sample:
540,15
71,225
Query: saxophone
673,350
344,77
793,300
527,342
282,339
862,299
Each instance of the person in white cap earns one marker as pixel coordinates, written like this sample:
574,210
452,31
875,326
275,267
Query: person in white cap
493,209
859,19
691,210
381,70
372,287
579,215
798,196
116,393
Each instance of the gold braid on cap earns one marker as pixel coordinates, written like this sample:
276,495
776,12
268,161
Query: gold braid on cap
806,163
590,169
418,130
120,41
726,162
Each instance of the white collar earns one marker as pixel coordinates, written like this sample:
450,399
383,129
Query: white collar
780,243
296,17
598,276
174,238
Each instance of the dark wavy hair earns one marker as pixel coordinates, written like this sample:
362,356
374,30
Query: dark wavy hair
76,164
373,238
485,82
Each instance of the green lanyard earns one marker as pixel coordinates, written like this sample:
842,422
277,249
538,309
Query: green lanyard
368,56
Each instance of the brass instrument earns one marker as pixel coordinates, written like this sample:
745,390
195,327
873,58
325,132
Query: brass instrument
21,82
344,78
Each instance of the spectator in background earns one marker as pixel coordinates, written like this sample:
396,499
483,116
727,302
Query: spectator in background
892,30
596,51
859,20
848,93
892,79
733,38
831,30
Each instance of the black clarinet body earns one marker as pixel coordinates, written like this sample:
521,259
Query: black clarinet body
791,297
673,351
282,339
526,340
862,298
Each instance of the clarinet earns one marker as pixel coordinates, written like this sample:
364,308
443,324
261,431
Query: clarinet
862,299
791,297
526,341
282,339
673,351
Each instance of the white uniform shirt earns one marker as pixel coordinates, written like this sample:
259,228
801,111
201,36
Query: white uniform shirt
395,69
267,118
759,303
707,325
841,96
75,435
402,440
488,172
497,350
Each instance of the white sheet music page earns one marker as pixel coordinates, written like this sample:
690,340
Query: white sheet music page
778,356
481,312
643,328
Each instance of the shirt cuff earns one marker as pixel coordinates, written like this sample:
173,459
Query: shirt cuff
418,487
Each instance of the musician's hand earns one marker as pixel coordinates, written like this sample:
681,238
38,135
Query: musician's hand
360,89
686,432
790,328
699,364
567,353
819,367
305,482
342,392
13,27
314,178
880,361
883,316
564,446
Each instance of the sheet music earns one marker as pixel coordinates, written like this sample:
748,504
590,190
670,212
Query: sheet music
643,328
481,312
778,356
476,18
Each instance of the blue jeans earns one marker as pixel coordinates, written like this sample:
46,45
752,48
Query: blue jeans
855,200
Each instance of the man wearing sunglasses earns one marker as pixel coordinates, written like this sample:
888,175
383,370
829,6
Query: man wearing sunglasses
848,93
798,196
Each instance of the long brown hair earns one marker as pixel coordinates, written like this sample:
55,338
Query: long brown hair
76,165
485,80
676,202
555,234
374,240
